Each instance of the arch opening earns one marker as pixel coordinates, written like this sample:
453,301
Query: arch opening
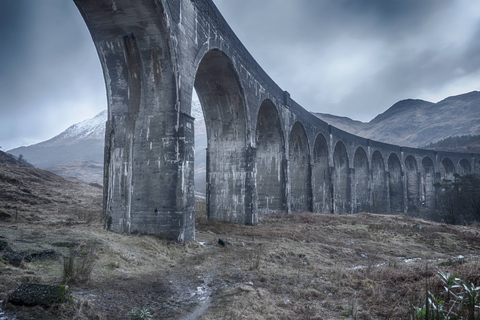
270,161
340,180
379,189
465,167
300,179
412,183
321,176
361,181
428,180
224,109
447,169
395,184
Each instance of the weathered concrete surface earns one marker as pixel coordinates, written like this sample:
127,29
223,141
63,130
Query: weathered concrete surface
266,154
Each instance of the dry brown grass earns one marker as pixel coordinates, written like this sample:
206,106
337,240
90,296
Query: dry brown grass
296,266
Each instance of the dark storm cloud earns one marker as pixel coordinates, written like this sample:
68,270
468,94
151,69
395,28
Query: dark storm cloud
358,57
354,58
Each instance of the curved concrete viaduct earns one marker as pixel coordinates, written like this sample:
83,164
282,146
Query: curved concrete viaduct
266,154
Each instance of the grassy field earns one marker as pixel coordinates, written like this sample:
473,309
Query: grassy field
296,266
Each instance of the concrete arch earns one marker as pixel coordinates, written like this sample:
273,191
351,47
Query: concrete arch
395,185
447,169
464,167
270,177
152,54
224,108
379,190
361,181
341,192
321,175
299,168
428,179
412,184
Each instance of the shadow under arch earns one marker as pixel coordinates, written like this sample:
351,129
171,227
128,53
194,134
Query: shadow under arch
379,190
321,176
300,178
340,180
270,177
447,169
464,167
428,179
412,184
395,184
361,202
229,180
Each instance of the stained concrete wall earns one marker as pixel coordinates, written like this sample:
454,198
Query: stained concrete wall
266,154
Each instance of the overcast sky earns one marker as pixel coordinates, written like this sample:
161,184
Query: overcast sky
353,58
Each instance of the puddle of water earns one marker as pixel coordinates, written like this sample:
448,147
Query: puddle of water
202,297
365,267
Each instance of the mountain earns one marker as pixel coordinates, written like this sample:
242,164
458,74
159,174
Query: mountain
82,141
8,159
78,151
343,123
416,123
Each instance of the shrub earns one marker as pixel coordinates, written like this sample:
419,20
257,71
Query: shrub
141,314
460,300
78,266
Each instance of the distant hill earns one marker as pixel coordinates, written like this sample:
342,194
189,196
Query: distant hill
416,123
78,151
82,141
467,144
9,159
24,188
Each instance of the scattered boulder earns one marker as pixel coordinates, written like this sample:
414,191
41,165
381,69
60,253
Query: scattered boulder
15,258
223,243
4,216
3,245
34,294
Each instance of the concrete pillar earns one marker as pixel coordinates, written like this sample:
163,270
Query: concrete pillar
148,185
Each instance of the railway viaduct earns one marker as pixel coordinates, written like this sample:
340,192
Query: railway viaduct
266,154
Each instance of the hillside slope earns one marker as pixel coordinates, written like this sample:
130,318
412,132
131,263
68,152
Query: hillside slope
81,141
24,189
416,123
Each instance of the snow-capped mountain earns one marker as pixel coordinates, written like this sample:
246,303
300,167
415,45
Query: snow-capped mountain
89,129
78,151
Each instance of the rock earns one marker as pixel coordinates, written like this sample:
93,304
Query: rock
223,243
3,245
15,258
34,294
245,288
5,216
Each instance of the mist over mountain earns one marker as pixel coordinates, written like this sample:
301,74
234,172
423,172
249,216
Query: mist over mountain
417,123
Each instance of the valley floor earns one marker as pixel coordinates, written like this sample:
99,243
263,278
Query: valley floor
297,266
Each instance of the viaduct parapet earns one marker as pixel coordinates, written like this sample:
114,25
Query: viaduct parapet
266,154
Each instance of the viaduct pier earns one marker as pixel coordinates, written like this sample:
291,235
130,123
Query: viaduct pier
266,154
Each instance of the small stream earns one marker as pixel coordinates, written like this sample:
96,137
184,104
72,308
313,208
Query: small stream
5,315
203,299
